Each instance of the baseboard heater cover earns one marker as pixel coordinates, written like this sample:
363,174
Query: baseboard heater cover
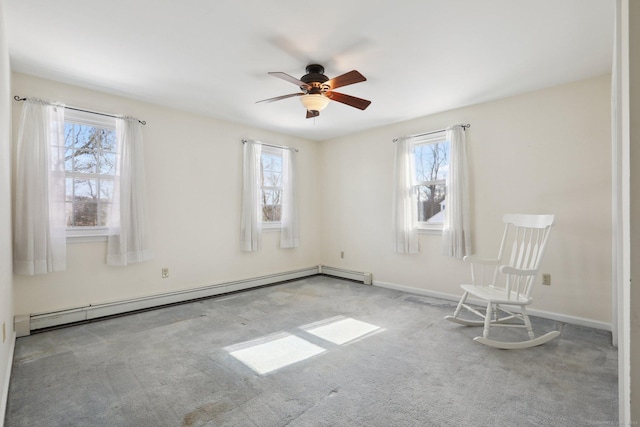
24,324
574,320
346,274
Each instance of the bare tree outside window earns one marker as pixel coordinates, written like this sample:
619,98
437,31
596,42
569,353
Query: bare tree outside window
90,157
271,186
432,163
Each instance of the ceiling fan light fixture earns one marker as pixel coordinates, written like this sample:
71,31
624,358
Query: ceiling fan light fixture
314,102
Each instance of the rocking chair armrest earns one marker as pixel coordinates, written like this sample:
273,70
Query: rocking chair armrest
472,259
505,269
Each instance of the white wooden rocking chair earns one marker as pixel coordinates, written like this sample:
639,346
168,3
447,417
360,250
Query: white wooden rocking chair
506,289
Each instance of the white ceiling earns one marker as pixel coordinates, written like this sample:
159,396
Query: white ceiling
212,56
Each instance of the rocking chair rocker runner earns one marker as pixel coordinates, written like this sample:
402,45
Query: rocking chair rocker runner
507,287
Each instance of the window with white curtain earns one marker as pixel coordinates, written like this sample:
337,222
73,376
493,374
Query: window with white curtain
431,160
431,191
82,173
268,195
90,150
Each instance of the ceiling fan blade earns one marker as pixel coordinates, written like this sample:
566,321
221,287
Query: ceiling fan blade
312,114
287,77
352,101
346,79
278,98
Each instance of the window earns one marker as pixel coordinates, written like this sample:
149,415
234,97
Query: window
431,156
271,186
90,147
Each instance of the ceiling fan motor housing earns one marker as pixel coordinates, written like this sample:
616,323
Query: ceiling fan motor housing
314,78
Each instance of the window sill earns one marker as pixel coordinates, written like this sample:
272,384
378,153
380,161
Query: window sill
88,235
87,239
436,231
271,226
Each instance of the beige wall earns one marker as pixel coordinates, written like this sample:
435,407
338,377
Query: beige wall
546,151
541,152
193,167
6,289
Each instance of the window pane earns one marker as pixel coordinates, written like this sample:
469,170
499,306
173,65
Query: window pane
69,213
107,164
85,214
431,203
85,189
69,189
270,197
272,162
85,161
271,213
432,161
108,140
68,159
270,205
103,214
272,179
106,190
74,134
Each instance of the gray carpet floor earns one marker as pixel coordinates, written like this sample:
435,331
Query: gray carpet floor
181,366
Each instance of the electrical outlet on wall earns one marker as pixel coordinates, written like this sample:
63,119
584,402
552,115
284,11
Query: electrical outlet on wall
546,279
165,273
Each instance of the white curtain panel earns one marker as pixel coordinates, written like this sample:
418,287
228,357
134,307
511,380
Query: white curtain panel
129,238
456,235
405,235
250,220
289,234
39,221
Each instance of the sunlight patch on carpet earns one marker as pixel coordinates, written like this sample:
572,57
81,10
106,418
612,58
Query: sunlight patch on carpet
340,330
273,352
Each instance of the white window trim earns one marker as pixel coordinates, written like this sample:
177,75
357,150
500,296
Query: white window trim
424,227
88,234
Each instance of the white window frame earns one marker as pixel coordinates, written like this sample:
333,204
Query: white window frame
424,227
98,233
269,225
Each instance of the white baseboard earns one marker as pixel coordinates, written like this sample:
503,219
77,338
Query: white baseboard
32,322
574,320
7,379
346,274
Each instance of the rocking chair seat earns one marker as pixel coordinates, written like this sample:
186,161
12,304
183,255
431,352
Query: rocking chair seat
496,295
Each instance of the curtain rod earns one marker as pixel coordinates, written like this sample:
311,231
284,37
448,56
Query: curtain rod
271,145
464,127
142,122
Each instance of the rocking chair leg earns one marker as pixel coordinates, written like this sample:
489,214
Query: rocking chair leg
527,322
459,307
487,320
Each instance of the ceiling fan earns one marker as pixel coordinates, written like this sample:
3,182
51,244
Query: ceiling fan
317,89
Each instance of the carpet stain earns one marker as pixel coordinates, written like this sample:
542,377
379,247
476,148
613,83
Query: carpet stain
207,412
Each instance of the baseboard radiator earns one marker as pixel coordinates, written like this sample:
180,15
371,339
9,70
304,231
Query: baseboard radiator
25,324
345,274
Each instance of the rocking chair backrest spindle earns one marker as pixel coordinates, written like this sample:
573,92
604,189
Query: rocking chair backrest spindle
527,235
